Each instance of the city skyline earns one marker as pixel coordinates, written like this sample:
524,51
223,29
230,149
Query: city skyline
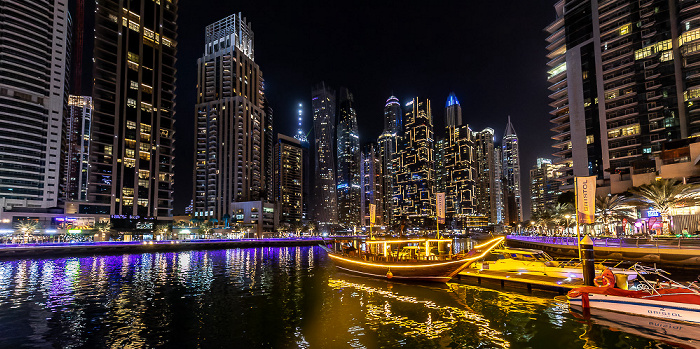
311,56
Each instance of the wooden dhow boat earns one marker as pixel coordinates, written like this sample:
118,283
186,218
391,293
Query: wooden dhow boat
423,259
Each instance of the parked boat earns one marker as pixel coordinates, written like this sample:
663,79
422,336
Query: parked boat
408,259
663,299
529,261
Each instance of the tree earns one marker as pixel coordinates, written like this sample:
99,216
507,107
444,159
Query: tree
162,229
563,214
206,227
543,218
103,227
27,228
663,195
612,209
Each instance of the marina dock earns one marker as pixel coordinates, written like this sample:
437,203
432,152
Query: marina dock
505,280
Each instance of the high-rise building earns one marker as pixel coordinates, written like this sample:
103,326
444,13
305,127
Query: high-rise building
511,173
230,121
131,149
348,150
459,165
289,178
35,45
323,106
269,139
544,185
413,165
78,153
623,81
485,191
371,184
453,111
307,180
499,185
387,151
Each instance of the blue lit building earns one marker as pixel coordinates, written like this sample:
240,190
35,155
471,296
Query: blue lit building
348,150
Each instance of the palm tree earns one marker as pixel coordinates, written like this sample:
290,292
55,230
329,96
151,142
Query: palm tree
542,218
612,209
103,228
663,195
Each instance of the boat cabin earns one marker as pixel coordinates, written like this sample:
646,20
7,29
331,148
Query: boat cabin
402,250
518,254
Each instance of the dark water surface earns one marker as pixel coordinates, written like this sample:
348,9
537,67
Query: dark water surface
269,298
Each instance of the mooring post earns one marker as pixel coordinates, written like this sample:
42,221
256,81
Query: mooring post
588,260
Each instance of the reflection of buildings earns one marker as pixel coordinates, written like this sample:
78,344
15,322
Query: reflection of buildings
511,174
413,164
348,150
34,63
78,152
131,152
371,184
230,121
544,185
387,151
323,106
289,178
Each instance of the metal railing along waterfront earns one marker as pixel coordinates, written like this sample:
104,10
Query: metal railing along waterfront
663,242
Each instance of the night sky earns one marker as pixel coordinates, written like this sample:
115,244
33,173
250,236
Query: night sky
490,53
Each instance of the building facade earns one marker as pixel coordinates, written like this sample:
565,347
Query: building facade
229,121
35,41
78,153
453,111
371,184
623,81
289,178
485,190
387,151
348,157
324,192
459,165
414,197
511,175
544,185
131,149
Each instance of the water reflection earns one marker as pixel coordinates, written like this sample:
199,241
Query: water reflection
267,297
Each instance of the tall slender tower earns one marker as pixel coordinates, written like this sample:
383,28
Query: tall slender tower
131,151
78,153
348,150
289,175
371,184
486,175
230,120
387,151
323,106
453,111
34,59
413,164
511,174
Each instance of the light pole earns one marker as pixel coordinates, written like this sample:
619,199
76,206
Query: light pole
568,216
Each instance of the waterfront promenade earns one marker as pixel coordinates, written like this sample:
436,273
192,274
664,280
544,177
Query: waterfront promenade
670,251
55,249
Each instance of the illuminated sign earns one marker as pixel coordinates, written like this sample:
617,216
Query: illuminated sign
74,231
653,213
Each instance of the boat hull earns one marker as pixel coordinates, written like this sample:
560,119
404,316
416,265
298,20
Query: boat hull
673,311
429,271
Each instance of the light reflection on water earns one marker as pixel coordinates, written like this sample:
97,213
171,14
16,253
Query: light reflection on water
267,297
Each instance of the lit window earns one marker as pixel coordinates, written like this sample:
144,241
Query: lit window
625,29
666,56
130,102
589,139
144,174
143,202
131,125
133,85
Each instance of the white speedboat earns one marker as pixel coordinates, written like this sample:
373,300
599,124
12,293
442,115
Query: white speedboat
528,261
665,299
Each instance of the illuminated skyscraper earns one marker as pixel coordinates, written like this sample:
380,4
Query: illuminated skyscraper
511,173
323,106
453,111
459,165
371,184
34,59
544,185
78,147
348,150
131,150
485,192
289,176
413,164
230,122
387,151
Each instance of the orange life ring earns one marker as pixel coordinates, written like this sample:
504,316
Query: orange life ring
604,282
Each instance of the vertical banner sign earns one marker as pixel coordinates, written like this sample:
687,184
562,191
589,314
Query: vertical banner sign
372,213
440,206
585,199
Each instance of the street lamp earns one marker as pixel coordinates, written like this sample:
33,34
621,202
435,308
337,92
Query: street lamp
568,216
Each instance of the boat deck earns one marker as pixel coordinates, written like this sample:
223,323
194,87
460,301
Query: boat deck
517,280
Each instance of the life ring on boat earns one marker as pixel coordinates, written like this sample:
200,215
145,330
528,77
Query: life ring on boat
606,279
600,281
